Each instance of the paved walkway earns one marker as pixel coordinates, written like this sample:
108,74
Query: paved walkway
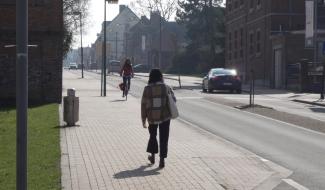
107,150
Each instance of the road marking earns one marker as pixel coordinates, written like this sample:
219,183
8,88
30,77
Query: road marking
264,160
269,118
188,97
295,184
246,98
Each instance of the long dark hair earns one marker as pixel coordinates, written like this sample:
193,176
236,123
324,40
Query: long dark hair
127,62
155,76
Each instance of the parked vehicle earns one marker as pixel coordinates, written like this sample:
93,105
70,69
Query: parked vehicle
73,66
141,68
222,79
114,66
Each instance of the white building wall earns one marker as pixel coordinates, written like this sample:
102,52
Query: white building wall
116,33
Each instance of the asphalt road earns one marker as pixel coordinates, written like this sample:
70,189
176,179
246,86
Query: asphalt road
297,149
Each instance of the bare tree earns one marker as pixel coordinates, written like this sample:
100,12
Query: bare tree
166,7
72,22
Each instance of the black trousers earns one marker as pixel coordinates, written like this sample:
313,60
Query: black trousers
127,81
163,138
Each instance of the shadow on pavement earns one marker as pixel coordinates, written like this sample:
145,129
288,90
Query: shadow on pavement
187,88
221,92
121,100
318,110
139,172
65,126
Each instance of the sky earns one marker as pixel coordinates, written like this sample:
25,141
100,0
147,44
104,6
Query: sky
96,17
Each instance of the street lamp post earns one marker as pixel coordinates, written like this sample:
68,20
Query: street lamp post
103,80
103,72
21,92
81,49
160,39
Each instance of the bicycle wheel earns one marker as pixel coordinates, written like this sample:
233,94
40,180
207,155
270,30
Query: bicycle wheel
126,93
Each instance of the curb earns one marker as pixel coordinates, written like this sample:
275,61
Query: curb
308,102
243,107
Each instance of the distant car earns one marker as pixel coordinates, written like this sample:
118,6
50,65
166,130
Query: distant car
222,79
141,68
73,66
114,66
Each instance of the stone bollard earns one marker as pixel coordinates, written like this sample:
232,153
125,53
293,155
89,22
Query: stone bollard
71,107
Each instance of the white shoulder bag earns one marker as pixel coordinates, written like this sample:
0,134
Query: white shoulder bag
172,103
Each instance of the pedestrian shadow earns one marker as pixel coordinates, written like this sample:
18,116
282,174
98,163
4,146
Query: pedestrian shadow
138,172
65,126
118,100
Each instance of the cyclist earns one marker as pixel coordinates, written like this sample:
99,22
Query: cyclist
127,72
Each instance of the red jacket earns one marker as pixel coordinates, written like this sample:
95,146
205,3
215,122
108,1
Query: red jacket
126,70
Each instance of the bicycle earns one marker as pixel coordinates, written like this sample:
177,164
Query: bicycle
126,87
126,91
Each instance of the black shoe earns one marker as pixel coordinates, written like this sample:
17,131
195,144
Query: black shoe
151,159
161,163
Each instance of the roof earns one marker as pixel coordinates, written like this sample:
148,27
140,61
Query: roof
124,10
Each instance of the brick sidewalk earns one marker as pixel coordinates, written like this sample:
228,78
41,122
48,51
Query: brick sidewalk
107,150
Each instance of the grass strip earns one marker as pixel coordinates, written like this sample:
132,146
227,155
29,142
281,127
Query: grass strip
43,148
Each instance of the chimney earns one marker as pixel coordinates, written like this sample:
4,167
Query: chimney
154,17
122,7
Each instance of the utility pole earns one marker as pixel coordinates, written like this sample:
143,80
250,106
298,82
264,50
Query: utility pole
21,92
160,40
316,38
323,73
104,53
82,52
116,46
103,73
126,44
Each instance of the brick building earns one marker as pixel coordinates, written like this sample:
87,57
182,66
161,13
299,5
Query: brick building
45,61
266,36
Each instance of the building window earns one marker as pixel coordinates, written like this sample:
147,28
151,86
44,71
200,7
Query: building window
37,3
251,5
236,5
7,2
236,39
258,4
230,47
251,42
241,2
229,6
241,42
258,41
241,37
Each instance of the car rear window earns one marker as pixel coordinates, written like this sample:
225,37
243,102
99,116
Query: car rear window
115,63
224,72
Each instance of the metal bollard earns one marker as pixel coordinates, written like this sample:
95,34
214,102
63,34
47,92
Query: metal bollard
71,107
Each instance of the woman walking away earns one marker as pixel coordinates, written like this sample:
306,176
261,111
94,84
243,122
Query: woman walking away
155,110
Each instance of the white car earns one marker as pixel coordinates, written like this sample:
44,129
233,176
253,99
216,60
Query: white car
73,66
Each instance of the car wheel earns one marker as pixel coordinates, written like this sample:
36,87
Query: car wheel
203,89
210,90
238,91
